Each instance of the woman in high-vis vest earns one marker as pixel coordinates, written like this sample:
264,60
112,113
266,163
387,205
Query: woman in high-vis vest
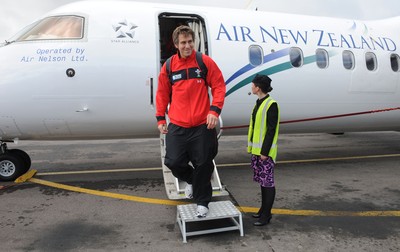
262,145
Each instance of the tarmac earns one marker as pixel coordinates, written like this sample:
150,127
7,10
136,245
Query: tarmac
334,193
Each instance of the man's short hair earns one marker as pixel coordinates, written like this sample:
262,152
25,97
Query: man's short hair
183,29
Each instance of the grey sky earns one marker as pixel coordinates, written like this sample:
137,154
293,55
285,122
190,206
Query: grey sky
16,14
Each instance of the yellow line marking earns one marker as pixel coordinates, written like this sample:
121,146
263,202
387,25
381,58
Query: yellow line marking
328,213
242,209
98,171
339,158
319,159
106,194
219,165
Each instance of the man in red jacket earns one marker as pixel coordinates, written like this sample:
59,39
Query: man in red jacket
191,134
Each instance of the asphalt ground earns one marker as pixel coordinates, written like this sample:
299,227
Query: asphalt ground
334,193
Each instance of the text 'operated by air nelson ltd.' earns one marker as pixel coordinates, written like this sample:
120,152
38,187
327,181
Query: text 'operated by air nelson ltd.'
56,55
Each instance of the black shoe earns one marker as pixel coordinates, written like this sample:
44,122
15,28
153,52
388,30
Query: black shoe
262,221
258,214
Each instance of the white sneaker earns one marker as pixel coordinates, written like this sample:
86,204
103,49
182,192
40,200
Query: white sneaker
189,191
202,211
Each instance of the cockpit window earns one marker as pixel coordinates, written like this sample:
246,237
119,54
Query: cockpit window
60,27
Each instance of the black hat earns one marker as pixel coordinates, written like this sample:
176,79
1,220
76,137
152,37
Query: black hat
264,82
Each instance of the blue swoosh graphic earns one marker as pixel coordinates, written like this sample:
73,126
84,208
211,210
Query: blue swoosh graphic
271,70
267,58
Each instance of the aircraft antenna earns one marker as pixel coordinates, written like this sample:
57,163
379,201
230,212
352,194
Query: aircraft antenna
251,5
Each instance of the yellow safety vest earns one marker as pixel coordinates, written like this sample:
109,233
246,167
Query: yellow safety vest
258,131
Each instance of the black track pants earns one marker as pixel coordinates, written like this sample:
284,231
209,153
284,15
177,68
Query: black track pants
198,145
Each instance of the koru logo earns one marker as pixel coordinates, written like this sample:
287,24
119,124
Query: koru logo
124,29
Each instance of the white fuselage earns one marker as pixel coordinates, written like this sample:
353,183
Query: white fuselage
112,94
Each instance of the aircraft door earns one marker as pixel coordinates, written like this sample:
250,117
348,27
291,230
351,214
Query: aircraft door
167,24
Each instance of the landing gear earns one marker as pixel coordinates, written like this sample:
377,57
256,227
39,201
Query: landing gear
13,163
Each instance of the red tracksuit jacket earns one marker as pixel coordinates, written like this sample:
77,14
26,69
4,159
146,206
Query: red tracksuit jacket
188,94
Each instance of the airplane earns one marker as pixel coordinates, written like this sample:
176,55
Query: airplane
88,70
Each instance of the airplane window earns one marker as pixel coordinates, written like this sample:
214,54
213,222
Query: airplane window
256,55
322,58
395,62
370,61
60,27
296,57
348,60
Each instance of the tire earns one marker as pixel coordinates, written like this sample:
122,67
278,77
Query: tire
24,157
11,166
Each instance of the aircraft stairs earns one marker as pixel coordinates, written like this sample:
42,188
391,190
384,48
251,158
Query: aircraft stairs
175,188
223,213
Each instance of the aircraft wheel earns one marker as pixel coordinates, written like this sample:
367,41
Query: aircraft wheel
11,166
24,157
